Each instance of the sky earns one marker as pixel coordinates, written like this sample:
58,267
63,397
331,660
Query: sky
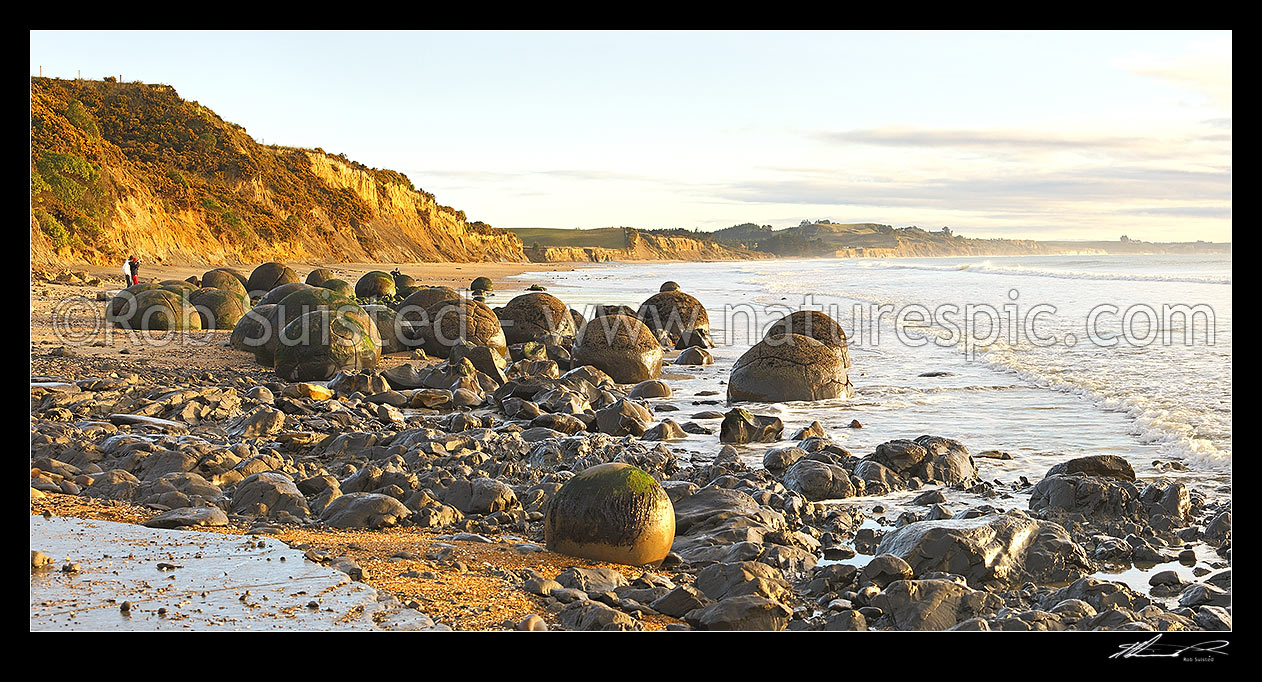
1038,135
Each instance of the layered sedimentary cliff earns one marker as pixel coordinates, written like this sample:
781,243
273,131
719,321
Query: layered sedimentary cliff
119,169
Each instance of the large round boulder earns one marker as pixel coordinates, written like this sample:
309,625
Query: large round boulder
341,286
621,346
529,316
611,512
669,285
226,280
268,276
788,367
402,281
448,323
218,309
318,345
295,305
158,309
231,272
319,276
120,310
816,325
275,295
682,317
375,284
252,330
481,284
389,327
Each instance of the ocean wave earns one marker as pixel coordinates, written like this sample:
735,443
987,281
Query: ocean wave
989,268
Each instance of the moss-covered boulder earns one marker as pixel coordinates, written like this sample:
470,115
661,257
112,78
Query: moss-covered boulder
231,272
319,276
280,292
218,309
816,325
621,346
268,276
178,286
222,279
611,512
529,316
252,330
447,323
789,367
481,284
389,328
402,281
341,286
677,313
321,343
122,307
375,284
158,309
293,306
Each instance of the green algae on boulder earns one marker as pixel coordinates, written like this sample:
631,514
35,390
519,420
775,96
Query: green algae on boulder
447,323
268,276
222,279
620,346
529,316
122,307
341,286
482,284
611,512
231,272
293,306
319,344
218,309
389,328
789,367
375,284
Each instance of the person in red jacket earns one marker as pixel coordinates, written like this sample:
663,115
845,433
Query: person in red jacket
133,265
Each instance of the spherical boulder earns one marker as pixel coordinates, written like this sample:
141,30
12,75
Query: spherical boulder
319,276
318,345
529,316
122,307
621,346
669,286
816,325
389,328
252,330
788,367
375,284
448,323
341,286
275,295
482,284
231,272
228,281
679,314
290,308
218,309
158,310
268,276
611,512
402,281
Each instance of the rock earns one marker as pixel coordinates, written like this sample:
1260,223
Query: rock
749,612
621,346
319,344
482,284
734,579
592,615
454,321
269,494
261,422
623,417
307,391
189,517
816,325
268,276
653,388
788,367
1204,594
932,604
998,548
154,310
389,329
219,309
364,510
1092,496
611,512
694,355
677,314
743,426
1214,618
818,481
1105,466
530,316
680,601
776,460
319,276
669,286
884,569
252,331
667,429
279,293
532,623
847,620
375,284
815,430
591,580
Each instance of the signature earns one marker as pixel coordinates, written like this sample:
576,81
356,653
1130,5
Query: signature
1151,649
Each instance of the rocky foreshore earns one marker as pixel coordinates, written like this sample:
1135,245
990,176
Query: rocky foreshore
474,447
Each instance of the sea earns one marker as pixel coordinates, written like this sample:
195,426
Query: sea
1044,358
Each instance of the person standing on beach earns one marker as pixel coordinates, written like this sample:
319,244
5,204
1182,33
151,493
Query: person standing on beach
133,265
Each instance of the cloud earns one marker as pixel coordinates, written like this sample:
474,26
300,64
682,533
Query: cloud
962,138
1205,68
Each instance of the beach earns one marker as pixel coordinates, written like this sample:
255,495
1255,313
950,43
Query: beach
822,529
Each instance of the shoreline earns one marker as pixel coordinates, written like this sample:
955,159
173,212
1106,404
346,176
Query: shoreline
819,549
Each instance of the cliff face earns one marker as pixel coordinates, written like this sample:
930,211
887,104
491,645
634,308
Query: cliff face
120,169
